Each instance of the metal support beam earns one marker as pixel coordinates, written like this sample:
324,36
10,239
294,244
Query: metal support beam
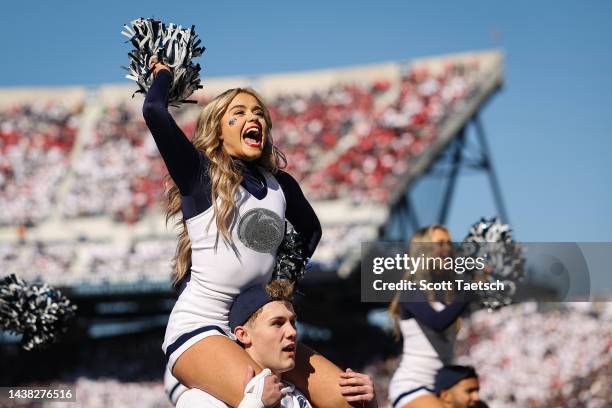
488,164
452,179
460,154
403,220
414,220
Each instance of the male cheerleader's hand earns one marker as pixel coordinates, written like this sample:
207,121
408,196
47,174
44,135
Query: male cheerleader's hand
262,390
358,389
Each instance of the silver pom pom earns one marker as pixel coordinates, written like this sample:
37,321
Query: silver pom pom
39,313
291,260
169,44
493,241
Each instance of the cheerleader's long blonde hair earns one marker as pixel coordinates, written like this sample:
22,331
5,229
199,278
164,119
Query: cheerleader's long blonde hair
224,173
420,244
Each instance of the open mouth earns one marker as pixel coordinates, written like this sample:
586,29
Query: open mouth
290,349
253,136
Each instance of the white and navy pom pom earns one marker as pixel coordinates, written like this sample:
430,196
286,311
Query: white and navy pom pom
38,312
169,44
291,260
492,240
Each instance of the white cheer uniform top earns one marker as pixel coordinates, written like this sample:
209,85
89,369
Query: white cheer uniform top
425,351
219,274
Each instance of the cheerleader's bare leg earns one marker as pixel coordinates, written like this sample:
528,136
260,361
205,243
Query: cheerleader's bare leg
216,365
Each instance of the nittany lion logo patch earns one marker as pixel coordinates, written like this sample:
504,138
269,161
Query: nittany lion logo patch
303,402
261,230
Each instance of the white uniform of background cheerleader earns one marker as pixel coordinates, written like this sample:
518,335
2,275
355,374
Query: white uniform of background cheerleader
425,351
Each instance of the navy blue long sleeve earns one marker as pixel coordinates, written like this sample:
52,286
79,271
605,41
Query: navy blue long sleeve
181,157
299,212
426,315
189,168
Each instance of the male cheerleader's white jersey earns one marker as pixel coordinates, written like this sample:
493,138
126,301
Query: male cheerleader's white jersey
196,398
425,351
219,274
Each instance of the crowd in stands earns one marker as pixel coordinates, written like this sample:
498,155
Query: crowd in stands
144,260
352,140
35,142
70,264
592,391
104,393
309,126
393,135
526,357
119,172
48,262
149,259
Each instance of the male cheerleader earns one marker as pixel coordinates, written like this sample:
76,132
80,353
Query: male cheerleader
265,326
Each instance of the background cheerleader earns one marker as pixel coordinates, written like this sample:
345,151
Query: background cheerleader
428,324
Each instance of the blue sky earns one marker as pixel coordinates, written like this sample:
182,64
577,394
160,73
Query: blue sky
549,129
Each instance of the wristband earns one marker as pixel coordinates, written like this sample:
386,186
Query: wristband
254,391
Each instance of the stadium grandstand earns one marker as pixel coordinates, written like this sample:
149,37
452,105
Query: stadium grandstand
82,193
82,181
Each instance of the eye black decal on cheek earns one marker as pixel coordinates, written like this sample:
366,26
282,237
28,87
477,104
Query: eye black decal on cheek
232,121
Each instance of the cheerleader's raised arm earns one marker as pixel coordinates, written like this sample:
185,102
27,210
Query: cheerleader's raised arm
180,156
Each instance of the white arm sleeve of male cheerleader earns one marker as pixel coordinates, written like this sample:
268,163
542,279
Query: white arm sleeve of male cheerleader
254,391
